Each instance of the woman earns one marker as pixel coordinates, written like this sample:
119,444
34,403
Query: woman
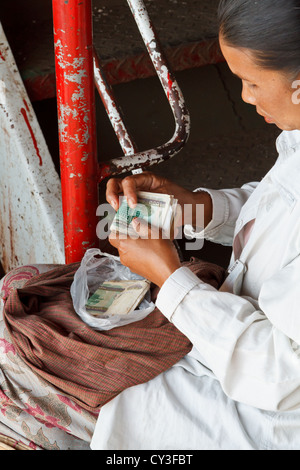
239,388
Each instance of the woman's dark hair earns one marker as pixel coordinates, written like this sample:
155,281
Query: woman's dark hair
270,28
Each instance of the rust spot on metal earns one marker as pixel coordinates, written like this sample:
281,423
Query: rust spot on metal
170,84
104,171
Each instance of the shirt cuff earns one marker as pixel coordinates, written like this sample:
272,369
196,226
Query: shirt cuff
173,291
220,215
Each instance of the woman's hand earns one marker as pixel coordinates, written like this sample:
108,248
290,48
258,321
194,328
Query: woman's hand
147,181
147,254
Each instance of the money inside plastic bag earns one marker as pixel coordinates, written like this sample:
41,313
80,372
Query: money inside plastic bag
117,297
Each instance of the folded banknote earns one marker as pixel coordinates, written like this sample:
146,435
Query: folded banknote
117,297
157,209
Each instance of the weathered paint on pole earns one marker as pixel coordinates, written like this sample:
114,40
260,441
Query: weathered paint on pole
73,40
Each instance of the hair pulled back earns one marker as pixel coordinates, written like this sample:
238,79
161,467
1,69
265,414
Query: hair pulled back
269,28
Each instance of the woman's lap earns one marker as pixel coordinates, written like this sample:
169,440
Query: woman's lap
185,408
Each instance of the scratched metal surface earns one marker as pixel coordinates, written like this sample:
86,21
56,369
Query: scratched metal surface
30,202
116,36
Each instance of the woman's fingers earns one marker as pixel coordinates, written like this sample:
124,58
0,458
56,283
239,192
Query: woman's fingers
147,253
129,187
143,230
113,189
132,184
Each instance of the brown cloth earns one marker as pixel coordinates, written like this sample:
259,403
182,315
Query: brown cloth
91,367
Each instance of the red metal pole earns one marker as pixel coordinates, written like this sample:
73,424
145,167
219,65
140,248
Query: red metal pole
73,39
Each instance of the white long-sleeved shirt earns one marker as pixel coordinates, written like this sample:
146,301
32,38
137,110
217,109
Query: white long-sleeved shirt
248,333
239,388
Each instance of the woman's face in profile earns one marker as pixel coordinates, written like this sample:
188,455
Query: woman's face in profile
271,92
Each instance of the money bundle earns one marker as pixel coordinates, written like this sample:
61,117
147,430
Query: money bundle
157,209
117,297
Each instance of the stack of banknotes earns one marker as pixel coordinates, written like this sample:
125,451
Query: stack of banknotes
122,297
117,298
158,210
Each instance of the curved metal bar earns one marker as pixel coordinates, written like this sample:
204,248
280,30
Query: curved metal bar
112,108
143,160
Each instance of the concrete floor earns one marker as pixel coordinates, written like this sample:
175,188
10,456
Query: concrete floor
29,28
229,143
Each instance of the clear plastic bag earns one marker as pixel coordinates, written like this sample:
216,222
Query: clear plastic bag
97,267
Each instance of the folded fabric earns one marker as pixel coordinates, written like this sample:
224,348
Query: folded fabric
91,367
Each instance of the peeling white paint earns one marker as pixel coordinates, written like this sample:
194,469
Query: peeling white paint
76,77
113,112
31,222
3,93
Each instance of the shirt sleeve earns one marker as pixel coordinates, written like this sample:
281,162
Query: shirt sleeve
227,205
251,346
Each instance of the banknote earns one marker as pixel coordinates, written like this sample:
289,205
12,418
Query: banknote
117,297
157,209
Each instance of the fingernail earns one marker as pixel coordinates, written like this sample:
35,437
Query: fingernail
113,204
131,203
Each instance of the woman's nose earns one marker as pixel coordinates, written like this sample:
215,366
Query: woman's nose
247,96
